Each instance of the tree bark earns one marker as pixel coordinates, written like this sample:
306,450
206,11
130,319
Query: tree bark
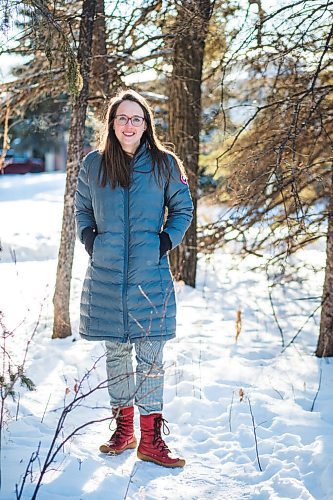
325,340
61,325
100,68
185,116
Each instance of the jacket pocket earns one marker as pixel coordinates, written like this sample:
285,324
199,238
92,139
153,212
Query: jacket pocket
96,245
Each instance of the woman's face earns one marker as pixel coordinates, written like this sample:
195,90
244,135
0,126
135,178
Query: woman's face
129,135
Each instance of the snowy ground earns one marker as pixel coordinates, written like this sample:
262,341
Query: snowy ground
212,383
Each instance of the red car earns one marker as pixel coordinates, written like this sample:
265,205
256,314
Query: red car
22,164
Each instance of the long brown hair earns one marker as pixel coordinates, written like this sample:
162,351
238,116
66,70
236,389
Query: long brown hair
115,167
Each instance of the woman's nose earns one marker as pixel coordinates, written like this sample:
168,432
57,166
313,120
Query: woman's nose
128,125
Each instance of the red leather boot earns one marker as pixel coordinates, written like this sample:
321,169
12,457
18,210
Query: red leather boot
123,437
152,448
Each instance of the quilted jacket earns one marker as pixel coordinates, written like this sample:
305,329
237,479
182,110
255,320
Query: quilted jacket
128,291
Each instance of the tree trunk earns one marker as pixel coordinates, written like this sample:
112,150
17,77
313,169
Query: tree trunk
100,68
325,341
61,325
185,116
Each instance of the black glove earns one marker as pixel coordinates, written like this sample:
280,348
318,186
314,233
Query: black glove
165,243
88,237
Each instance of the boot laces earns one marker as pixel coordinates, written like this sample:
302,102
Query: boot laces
119,431
160,424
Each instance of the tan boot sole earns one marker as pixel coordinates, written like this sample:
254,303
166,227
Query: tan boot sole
180,462
104,448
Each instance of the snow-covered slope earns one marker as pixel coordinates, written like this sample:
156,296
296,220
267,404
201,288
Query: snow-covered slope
220,396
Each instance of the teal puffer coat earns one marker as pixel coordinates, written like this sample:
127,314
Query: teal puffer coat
128,291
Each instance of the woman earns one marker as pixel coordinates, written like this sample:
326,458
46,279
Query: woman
128,295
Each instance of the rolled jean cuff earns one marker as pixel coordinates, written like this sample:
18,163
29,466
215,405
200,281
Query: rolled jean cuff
147,410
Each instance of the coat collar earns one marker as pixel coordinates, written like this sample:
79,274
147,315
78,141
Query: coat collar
142,161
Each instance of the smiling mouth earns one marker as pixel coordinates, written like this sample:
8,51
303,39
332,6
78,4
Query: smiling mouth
128,134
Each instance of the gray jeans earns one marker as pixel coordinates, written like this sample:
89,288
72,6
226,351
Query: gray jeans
145,387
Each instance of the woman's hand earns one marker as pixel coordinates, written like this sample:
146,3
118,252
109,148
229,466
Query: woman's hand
88,237
165,243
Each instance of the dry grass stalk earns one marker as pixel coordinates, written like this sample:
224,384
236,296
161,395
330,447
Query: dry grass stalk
238,323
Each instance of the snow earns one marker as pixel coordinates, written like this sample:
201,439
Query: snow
212,382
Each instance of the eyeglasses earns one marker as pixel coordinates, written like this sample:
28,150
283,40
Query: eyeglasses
135,120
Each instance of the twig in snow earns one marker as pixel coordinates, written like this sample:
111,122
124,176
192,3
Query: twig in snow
278,392
275,316
254,432
274,389
301,328
28,470
130,480
230,410
17,406
319,385
47,404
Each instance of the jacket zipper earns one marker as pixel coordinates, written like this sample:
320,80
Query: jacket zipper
126,252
